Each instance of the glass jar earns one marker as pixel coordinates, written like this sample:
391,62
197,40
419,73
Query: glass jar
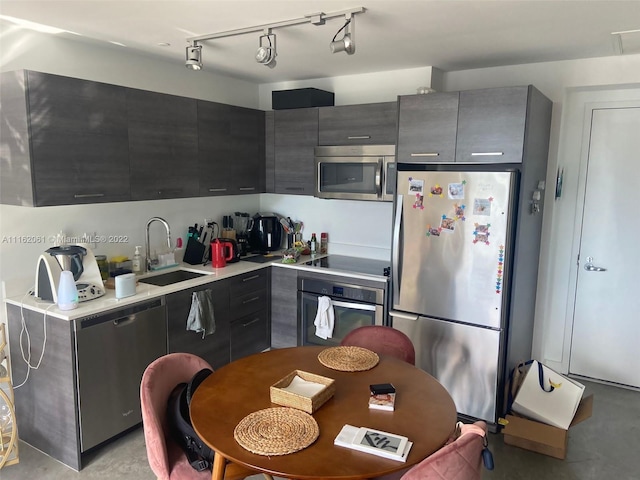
103,265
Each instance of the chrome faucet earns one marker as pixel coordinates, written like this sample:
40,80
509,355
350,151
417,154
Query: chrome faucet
147,252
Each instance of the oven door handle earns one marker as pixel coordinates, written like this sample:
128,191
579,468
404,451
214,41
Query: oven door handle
354,306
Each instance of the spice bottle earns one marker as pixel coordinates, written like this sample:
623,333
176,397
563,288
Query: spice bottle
314,244
324,242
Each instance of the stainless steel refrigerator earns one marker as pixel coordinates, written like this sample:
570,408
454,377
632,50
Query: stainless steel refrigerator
452,264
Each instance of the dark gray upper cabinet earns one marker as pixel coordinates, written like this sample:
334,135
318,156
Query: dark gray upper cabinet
472,126
366,124
427,128
163,145
231,143
295,136
73,147
270,152
491,125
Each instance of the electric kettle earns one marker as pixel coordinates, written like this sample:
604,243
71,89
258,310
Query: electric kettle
221,253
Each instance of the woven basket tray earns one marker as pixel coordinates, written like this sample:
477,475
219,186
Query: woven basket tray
348,359
276,431
291,399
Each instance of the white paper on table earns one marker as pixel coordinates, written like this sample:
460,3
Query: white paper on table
303,387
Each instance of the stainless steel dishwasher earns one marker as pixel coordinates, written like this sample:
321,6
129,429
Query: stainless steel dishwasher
112,352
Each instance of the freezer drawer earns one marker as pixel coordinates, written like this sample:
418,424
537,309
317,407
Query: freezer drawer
465,359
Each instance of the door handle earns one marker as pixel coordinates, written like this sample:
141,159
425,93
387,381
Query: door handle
590,267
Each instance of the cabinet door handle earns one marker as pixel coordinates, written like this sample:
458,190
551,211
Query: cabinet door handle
297,189
217,189
250,300
428,154
486,154
248,279
88,195
358,137
255,320
247,189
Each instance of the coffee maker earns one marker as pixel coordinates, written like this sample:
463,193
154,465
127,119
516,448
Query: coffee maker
243,224
77,259
266,233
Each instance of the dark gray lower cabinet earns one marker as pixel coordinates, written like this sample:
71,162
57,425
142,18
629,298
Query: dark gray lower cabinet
284,307
249,299
250,334
86,390
241,310
46,407
213,348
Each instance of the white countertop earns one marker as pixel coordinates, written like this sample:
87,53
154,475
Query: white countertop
146,291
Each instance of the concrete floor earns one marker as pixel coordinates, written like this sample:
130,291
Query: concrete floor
604,447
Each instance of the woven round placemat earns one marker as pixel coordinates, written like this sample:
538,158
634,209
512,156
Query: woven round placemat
348,359
276,431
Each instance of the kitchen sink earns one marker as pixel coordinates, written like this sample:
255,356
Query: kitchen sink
171,277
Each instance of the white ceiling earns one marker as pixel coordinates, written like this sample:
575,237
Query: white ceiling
390,35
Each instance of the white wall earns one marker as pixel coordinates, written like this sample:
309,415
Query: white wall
364,88
118,66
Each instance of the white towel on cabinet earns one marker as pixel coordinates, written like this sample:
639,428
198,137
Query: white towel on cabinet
324,318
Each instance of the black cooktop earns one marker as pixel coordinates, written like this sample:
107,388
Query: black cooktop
352,264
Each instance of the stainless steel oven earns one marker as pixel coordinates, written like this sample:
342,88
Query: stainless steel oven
353,306
364,172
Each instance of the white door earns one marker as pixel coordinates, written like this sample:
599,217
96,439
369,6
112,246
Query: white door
606,325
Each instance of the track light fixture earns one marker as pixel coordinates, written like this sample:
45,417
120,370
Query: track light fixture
194,56
266,53
347,42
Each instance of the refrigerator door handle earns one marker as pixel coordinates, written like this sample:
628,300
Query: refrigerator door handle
395,278
404,316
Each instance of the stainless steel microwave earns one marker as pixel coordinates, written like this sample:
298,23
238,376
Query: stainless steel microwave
356,172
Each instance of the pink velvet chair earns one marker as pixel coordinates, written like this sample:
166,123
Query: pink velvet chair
460,459
166,459
382,340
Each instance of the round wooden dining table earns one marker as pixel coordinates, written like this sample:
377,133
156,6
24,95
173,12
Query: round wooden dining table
424,412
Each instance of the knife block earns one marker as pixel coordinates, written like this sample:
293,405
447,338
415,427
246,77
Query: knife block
194,252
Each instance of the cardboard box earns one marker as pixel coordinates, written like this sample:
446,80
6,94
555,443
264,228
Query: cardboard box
541,438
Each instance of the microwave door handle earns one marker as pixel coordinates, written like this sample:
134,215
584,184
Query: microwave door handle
395,277
379,177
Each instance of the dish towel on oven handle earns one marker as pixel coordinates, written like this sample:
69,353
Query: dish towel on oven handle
201,318
324,318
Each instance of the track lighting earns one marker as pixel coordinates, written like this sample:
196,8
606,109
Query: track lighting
266,54
347,42
194,57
